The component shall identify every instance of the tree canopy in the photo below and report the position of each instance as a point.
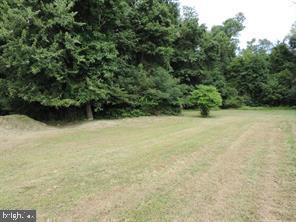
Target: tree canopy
(125, 57)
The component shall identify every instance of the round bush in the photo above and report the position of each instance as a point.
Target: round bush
(206, 98)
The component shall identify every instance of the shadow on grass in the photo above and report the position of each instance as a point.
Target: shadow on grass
(190, 114)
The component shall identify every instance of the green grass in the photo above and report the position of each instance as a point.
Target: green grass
(150, 168)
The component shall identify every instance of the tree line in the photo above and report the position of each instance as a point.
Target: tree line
(64, 58)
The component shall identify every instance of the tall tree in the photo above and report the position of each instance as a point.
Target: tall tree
(188, 59)
(146, 49)
(220, 46)
(53, 59)
(248, 73)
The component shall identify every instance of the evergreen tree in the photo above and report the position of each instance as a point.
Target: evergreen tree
(131, 57)
(53, 59)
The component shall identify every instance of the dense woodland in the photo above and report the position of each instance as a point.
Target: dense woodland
(60, 59)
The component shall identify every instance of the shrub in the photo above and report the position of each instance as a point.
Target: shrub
(206, 98)
(231, 98)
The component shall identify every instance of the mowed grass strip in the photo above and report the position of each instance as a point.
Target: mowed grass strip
(155, 168)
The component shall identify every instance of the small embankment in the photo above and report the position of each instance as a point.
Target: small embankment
(20, 123)
(14, 129)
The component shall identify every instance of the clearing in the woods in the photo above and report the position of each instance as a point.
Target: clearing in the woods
(239, 165)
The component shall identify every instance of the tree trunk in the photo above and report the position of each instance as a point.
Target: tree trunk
(89, 113)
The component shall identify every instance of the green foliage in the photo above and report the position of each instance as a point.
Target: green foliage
(230, 97)
(48, 59)
(248, 72)
(70, 53)
(292, 36)
(188, 55)
(206, 98)
(283, 78)
(126, 58)
(265, 74)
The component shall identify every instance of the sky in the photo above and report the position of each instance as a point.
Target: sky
(270, 19)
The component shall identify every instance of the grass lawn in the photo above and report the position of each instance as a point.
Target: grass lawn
(239, 165)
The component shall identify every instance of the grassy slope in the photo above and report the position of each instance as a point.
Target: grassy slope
(238, 165)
